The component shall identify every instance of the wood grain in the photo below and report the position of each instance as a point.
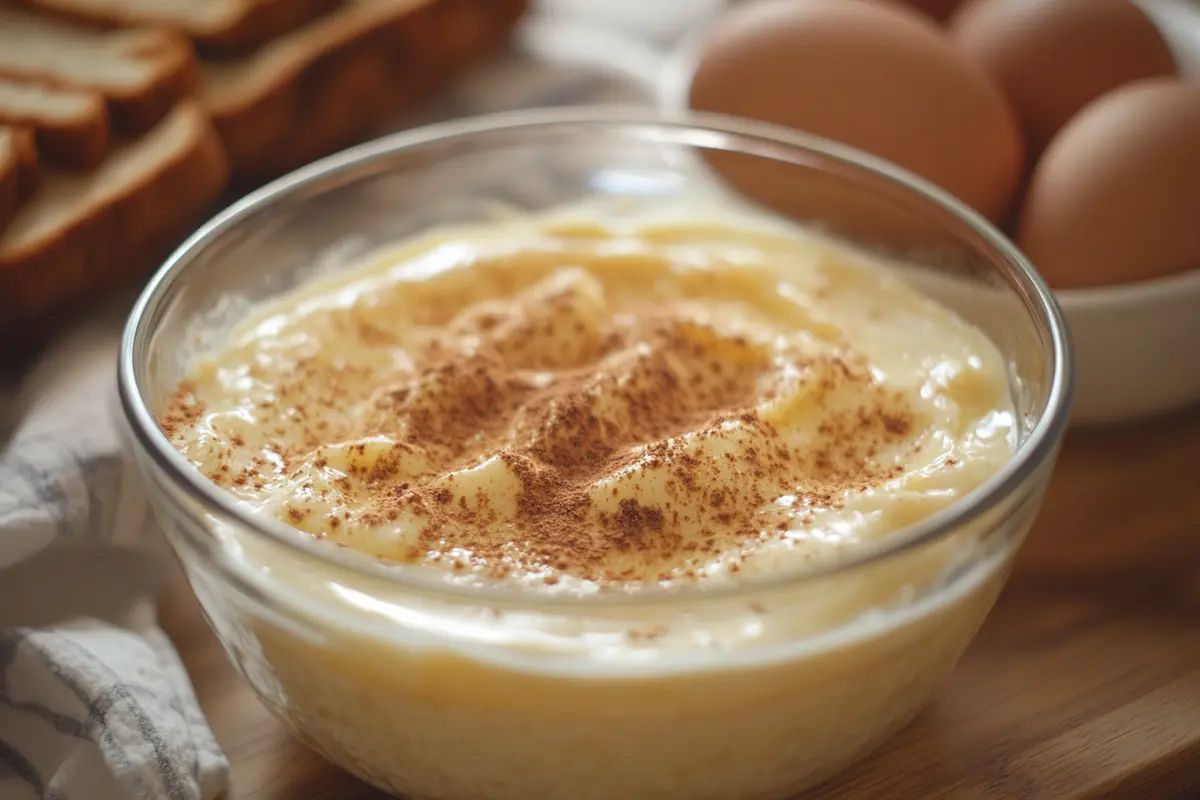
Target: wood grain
(1084, 682)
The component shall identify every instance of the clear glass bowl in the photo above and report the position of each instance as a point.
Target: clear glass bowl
(430, 691)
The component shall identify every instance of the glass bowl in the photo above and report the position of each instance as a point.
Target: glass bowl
(429, 690)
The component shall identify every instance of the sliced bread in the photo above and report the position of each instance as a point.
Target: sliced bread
(142, 72)
(29, 166)
(10, 175)
(322, 86)
(71, 125)
(19, 173)
(213, 24)
(82, 233)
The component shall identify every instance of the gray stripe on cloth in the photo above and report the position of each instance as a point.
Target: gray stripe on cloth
(164, 775)
(102, 735)
(67, 482)
(17, 472)
(63, 723)
(202, 741)
(13, 764)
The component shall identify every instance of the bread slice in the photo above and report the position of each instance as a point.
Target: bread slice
(83, 233)
(223, 25)
(142, 72)
(19, 172)
(71, 125)
(29, 168)
(322, 86)
(10, 175)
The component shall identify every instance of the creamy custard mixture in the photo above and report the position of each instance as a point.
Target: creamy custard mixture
(557, 406)
(576, 407)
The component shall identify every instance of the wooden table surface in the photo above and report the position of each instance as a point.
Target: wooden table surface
(1084, 682)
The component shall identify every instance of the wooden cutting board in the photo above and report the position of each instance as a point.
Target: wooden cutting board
(1084, 682)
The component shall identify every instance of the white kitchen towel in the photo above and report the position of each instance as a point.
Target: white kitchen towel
(94, 702)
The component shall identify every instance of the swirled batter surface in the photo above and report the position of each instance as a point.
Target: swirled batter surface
(577, 407)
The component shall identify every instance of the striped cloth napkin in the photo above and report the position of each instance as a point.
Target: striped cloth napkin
(94, 702)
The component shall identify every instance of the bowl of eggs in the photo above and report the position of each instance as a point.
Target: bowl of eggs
(1071, 125)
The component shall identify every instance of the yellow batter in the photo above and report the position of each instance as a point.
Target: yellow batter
(573, 406)
(562, 408)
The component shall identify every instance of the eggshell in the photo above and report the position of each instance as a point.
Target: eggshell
(1053, 57)
(877, 76)
(1116, 196)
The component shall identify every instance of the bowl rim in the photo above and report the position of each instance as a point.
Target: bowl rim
(686, 128)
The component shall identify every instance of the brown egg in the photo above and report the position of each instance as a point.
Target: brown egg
(1116, 197)
(1053, 57)
(877, 76)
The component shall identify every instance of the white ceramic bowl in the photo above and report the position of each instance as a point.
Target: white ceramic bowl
(1137, 348)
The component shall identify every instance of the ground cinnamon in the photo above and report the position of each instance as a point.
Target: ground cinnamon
(663, 408)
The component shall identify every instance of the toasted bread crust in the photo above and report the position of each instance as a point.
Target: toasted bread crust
(253, 25)
(29, 168)
(174, 73)
(178, 73)
(104, 230)
(264, 20)
(328, 83)
(20, 174)
(77, 141)
(10, 176)
(80, 146)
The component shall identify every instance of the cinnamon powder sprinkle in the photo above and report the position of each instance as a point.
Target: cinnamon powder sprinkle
(641, 443)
